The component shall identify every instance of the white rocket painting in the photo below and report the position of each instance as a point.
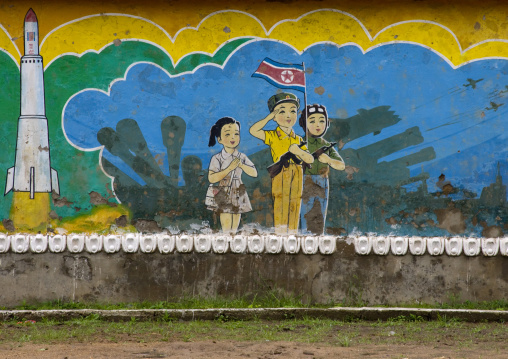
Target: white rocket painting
(32, 170)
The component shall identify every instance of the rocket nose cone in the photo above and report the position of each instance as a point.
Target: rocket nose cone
(30, 16)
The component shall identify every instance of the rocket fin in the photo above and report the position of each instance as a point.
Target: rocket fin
(55, 184)
(9, 182)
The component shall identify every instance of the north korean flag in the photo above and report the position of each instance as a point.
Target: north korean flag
(285, 76)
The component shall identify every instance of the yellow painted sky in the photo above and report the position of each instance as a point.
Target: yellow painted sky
(470, 21)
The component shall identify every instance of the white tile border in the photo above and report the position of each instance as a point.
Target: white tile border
(166, 243)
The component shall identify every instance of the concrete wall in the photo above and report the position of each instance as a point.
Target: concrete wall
(343, 277)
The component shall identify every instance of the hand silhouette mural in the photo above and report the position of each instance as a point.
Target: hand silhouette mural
(160, 197)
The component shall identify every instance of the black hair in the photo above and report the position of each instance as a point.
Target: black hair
(217, 128)
(320, 109)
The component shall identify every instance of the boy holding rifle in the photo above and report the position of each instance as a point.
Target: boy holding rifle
(290, 150)
(314, 121)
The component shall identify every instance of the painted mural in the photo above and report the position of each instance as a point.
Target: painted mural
(319, 125)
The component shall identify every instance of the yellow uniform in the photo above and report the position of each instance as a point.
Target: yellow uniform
(287, 185)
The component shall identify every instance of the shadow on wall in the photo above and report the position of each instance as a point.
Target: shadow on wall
(160, 199)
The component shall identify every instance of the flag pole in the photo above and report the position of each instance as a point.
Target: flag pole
(305, 101)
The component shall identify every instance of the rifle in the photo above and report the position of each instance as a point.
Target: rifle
(316, 155)
(276, 168)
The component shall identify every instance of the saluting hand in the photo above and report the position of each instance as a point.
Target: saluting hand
(272, 114)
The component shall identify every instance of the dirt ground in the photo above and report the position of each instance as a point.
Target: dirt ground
(398, 338)
(234, 349)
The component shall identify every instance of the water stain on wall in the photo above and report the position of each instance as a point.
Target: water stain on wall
(77, 267)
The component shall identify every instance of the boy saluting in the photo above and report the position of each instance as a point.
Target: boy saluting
(286, 185)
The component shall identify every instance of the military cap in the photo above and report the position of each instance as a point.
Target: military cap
(281, 98)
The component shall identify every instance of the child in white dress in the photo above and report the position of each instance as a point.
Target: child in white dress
(227, 195)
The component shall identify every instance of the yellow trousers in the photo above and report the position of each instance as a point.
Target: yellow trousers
(287, 197)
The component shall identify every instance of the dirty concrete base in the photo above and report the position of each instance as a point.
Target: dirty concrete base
(341, 314)
(343, 277)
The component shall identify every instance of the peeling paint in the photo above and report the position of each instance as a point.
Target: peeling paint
(319, 90)
(451, 219)
(60, 201)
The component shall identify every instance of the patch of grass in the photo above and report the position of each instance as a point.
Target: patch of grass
(307, 330)
(344, 340)
(166, 318)
(445, 321)
(273, 298)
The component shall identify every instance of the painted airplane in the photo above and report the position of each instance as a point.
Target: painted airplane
(472, 83)
(32, 170)
(494, 105)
